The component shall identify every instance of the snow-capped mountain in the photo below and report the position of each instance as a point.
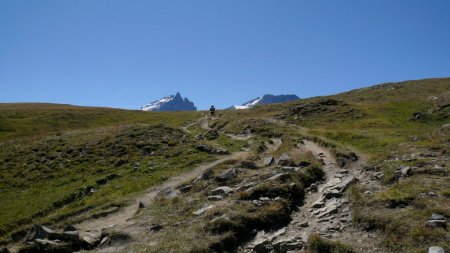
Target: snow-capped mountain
(170, 103)
(266, 99)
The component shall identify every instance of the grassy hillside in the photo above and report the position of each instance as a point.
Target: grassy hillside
(61, 164)
(68, 163)
(28, 119)
(393, 126)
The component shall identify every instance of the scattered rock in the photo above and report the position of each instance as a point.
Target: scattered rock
(333, 193)
(167, 193)
(246, 186)
(319, 203)
(223, 190)
(436, 221)
(402, 172)
(249, 165)
(304, 225)
(436, 216)
(227, 175)
(154, 228)
(186, 188)
(91, 238)
(286, 160)
(378, 175)
(279, 177)
(289, 169)
(436, 249)
(287, 244)
(262, 245)
(211, 134)
(39, 232)
(214, 197)
(211, 150)
(268, 161)
(312, 188)
(207, 175)
(70, 228)
(203, 210)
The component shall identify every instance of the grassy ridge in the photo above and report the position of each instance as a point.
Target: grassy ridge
(28, 119)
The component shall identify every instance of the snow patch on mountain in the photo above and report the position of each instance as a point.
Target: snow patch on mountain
(266, 99)
(248, 104)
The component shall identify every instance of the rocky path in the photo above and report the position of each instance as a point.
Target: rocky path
(122, 216)
(92, 228)
(326, 211)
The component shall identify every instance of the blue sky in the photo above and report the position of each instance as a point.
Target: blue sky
(127, 53)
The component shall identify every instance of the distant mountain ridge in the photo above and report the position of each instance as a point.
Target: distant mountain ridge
(266, 99)
(170, 103)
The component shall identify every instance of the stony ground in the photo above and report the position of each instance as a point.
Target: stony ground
(326, 211)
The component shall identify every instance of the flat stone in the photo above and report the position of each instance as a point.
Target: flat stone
(436, 216)
(214, 197)
(47, 242)
(280, 177)
(91, 237)
(436, 249)
(436, 223)
(222, 190)
(245, 186)
(203, 210)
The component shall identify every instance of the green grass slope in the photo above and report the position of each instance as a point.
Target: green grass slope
(62, 163)
(392, 126)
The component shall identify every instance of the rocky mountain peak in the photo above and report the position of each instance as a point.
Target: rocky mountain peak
(170, 103)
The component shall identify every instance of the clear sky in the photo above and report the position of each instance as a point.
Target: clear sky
(127, 53)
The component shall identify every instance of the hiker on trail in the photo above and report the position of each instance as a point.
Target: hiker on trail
(212, 110)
